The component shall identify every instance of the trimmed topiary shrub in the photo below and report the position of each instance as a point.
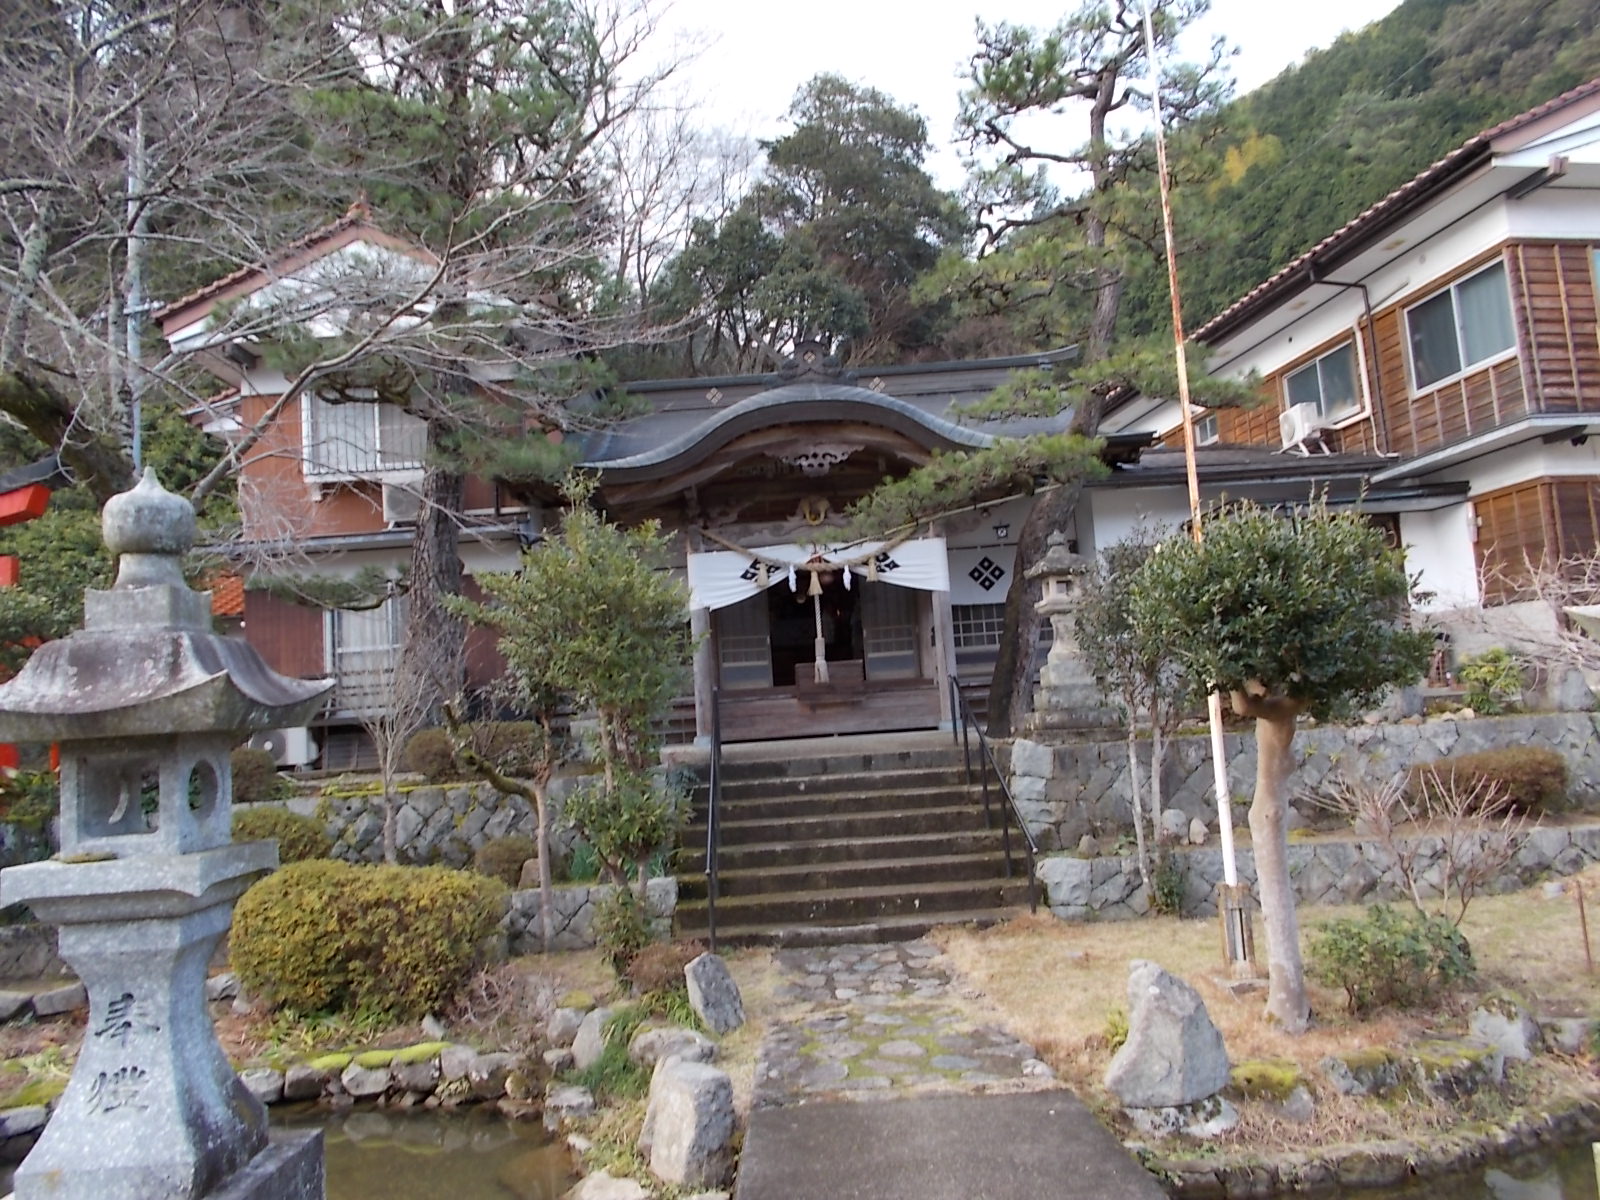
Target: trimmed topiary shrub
(255, 776)
(326, 936)
(299, 838)
(502, 858)
(428, 752)
(1389, 958)
(1533, 779)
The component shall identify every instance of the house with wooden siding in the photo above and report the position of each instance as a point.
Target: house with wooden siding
(1450, 331)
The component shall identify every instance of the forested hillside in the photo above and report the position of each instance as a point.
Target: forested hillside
(1322, 141)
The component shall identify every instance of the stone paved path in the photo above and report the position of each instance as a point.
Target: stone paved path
(881, 1022)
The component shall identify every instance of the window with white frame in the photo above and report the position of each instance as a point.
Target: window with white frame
(360, 440)
(977, 624)
(1466, 324)
(1208, 430)
(365, 649)
(1331, 381)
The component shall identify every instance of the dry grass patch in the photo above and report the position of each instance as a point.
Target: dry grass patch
(1056, 984)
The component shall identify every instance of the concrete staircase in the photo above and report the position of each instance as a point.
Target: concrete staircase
(859, 845)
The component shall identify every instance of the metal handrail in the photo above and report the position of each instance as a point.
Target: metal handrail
(962, 712)
(713, 832)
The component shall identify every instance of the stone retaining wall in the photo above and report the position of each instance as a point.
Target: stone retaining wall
(572, 909)
(1067, 790)
(434, 823)
(28, 951)
(1322, 872)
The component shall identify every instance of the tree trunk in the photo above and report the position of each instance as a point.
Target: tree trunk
(391, 840)
(1011, 685)
(1269, 839)
(1136, 803)
(541, 815)
(436, 639)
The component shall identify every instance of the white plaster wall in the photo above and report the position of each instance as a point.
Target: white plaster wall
(1114, 513)
(1439, 548)
(1528, 460)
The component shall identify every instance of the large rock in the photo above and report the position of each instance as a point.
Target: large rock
(264, 1083)
(1505, 1024)
(564, 1103)
(688, 1124)
(652, 1045)
(1174, 1055)
(56, 1001)
(602, 1185)
(563, 1026)
(713, 994)
(590, 1043)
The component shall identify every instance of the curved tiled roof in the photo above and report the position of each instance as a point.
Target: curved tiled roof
(1390, 209)
(794, 403)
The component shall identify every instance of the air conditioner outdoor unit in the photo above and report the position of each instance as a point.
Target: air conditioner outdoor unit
(1299, 424)
(288, 747)
(402, 504)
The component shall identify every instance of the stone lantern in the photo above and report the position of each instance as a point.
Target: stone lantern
(1068, 698)
(146, 703)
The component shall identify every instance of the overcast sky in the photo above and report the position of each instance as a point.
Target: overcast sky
(757, 55)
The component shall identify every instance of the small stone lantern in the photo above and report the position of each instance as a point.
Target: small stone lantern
(146, 703)
(1068, 698)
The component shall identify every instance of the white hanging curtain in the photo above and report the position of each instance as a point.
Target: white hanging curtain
(723, 577)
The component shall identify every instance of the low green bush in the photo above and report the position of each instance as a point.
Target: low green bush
(502, 858)
(1533, 779)
(1493, 681)
(620, 928)
(429, 753)
(255, 776)
(299, 838)
(326, 936)
(1389, 958)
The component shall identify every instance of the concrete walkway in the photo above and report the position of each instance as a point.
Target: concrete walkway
(882, 1086)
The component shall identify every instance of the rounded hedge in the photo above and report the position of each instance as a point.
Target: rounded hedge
(255, 776)
(326, 936)
(299, 838)
(429, 753)
(502, 858)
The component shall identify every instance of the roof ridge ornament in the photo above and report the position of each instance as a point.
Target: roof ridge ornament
(813, 360)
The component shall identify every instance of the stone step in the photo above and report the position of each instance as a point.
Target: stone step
(847, 783)
(779, 807)
(883, 929)
(954, 818)
(855, 905)
(908, 872)
(865, 762)
(831, 850)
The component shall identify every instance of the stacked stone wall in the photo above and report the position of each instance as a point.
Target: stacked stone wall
(1325, 871)
(1069, 789)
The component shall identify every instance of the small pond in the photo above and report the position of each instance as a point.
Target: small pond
(1565, 1175)
(470, 1154)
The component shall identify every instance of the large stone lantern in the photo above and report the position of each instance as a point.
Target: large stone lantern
(1068, 698)
(146, 704)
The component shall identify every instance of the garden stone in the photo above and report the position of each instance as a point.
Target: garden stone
(60, 1000)
(1198, 833)
(1567, 1035)
(222, 987)
(604, 1186)
(1174, 1055)
(1506, 1025)
(364, 1082)
(528, 877)
(559, 1060)
(1362, 1072)
(1451, 1068)
(1297, 1106)
(1207, 1119)
(713, 995)
(264, 1083)
(13, 1004)
(301, 1082)
(563, 1026)
(433, 1029)
(487, 1075)
(650, 1046)
(416, 1076)
(567, 1103)
(590, 1043)
(15, 1122)
(689, 1122)
(456, 1061)
(1173, 826)
(1089, 846)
